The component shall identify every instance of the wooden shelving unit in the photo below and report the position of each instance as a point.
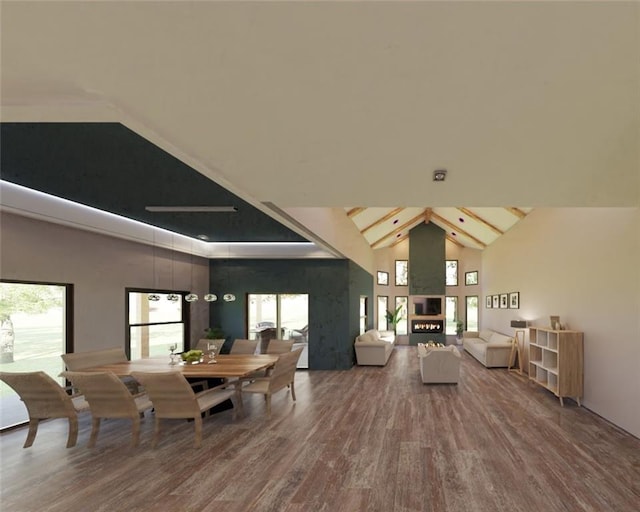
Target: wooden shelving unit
(556, 361)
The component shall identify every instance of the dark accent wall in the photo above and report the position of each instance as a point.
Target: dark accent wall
(334, 288)
(427, 257)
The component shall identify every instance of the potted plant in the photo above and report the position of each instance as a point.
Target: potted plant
(459, 329)
(214, 333)
(395, 317)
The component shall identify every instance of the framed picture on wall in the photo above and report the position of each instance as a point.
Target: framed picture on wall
(495, 301)
(471, 278)
(383, 278)
(487, 302)
(503, 300)
(514, 300)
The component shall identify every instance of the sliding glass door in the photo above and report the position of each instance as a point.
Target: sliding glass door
(279, 316)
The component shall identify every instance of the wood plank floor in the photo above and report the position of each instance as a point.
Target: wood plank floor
(368, 439)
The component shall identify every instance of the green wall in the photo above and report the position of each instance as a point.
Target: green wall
(334, 288)
(427, 257)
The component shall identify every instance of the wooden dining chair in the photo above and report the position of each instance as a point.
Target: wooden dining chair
(108, 397)
(279, 346)
(174, 398)
(45, 398)
(243, 346)
(79, 361)
(281, 376)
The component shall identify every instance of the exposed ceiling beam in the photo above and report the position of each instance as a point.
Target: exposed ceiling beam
(399, 240)
(427, 215)
(382, 220)
(355, 211)
(516, 211)
(479, 219)
(453, 227)
(416, 220)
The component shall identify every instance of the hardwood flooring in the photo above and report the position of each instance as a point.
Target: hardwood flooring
(368, 439)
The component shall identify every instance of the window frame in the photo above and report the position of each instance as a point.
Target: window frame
(406, 273)
(445, 272)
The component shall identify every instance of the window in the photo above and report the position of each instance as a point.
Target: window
(471, 278)
(451, 314)
(35, 330)
(451, 273)
(383, 302)
(472, 312)
(402, 273)
(383, 278)
(154, 325)
(364, 303)
(402, 327)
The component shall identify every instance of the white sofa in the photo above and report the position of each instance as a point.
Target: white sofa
(491, 348)
(439, 365)
(374, 347)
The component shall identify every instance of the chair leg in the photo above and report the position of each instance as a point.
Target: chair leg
(268, 399)
(73, 432)
(156, 433)
(135, 432)
(95, 428)
(293, 391)
(198, 424)
(33, 430)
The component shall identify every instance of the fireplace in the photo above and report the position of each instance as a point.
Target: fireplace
(427, 326)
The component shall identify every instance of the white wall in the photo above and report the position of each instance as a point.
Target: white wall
(99, 267)
(582, 264)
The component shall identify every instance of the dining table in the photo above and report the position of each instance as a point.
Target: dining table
(222, 366)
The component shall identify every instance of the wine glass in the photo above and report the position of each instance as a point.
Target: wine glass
(172, 355)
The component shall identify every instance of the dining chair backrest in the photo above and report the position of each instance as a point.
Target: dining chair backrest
(279, 346)
(45, 398)
(284, 370)
(171, 394)
(244, 346)
(78, 361)
(109, 397)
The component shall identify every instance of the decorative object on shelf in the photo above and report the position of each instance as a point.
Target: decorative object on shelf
(503, 301)
(554, 322)
(383, 278)
(487, 302)
(519, 324)
(514, 300)
(471, 278)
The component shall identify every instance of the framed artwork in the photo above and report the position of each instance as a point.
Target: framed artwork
(514, 300)
(383, 278)
(487, 302)
(503, 300)
(471, 278)
(495, 301)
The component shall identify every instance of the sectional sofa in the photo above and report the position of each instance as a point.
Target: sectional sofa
(491, 348)
(374, 347)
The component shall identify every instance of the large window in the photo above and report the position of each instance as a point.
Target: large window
(451, 314)
(155, 325)
(383, 305)
(451, 276)
(36, 329)
(402, 272)
(472, 312)
(402, 327)
(364, 304)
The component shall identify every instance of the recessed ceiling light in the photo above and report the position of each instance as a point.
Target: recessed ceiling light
(460, 219)
(439, 175)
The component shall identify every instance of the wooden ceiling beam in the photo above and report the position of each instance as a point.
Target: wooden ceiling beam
(413, 222)
(399, 240)
(479, 219)
(454, 241)
(516, 211)
(382, 220)
(427, 215)
(453, 227)
(355, 211)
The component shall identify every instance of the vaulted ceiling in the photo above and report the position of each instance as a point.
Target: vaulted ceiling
(353, 104)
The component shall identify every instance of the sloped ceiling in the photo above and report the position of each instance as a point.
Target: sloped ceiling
(331, 104)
